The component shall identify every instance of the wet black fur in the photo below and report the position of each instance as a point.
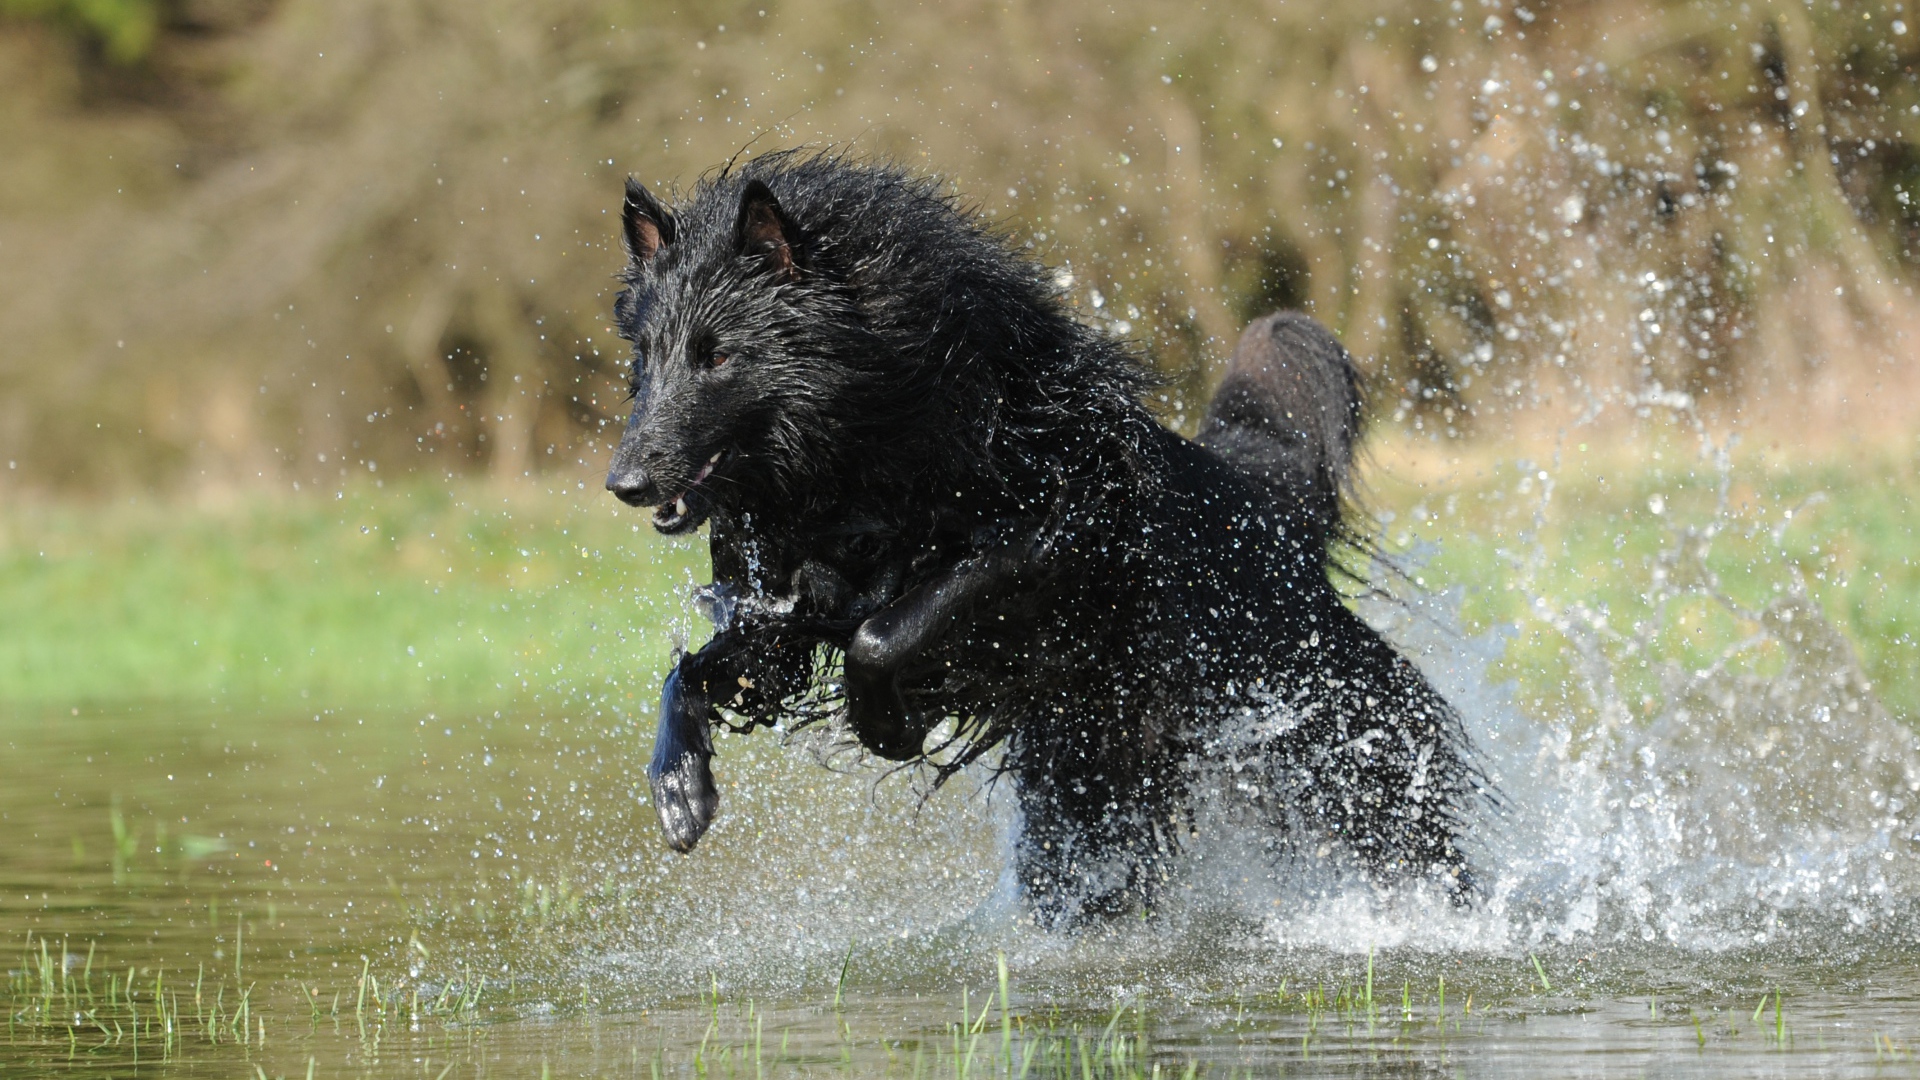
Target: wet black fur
(923, 463)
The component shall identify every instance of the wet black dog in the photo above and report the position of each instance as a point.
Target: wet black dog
(916, 461)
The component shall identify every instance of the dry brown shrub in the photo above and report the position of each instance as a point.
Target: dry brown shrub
(381, 232)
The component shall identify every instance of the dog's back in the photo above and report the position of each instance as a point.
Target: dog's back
(1288, 414)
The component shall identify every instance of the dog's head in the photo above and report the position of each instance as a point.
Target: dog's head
(739, 351)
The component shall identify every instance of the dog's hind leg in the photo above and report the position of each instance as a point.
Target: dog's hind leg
(1087, 851)
(1395, 779)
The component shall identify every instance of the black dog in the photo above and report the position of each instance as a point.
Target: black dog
(917, 461)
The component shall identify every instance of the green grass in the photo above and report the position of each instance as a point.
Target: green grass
(1664, 561)
(422, 594)
(69, 1005)
(103, 1018)
(379, 597)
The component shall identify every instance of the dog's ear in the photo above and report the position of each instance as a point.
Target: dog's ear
(644, 223)
(764, 231)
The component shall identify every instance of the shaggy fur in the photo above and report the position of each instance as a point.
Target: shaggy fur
(913, 456)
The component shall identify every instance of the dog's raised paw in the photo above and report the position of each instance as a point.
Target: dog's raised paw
(681, 773)
(685, 798)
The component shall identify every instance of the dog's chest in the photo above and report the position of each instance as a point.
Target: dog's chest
(839, 573)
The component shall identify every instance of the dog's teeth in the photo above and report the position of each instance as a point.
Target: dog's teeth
(715, 459)
(679, 508)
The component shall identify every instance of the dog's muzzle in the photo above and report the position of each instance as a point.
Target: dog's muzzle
(633, 487)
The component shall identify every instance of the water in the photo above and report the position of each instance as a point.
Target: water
(1711, 874)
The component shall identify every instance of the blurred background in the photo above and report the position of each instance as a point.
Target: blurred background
(259, 242)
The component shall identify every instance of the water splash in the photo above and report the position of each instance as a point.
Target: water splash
(1688, 803)
(1764, 796)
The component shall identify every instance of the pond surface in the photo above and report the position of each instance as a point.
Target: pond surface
(432, 894)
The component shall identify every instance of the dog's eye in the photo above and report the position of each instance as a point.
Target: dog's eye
(718, 359)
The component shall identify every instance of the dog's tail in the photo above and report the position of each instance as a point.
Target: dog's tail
(1288, 414)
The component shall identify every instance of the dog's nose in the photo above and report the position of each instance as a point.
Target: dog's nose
(632, 487)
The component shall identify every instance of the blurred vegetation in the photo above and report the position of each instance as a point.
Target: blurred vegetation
(124, 29)
(266, 241)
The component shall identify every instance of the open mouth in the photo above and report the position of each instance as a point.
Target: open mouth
(689, 508)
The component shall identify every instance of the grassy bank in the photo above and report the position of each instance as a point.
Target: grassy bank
(381, 596)
(1656, 558)
(468, 596)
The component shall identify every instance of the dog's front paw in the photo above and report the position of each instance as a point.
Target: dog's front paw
(685, 797)
(684, 794)
(904, 741)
